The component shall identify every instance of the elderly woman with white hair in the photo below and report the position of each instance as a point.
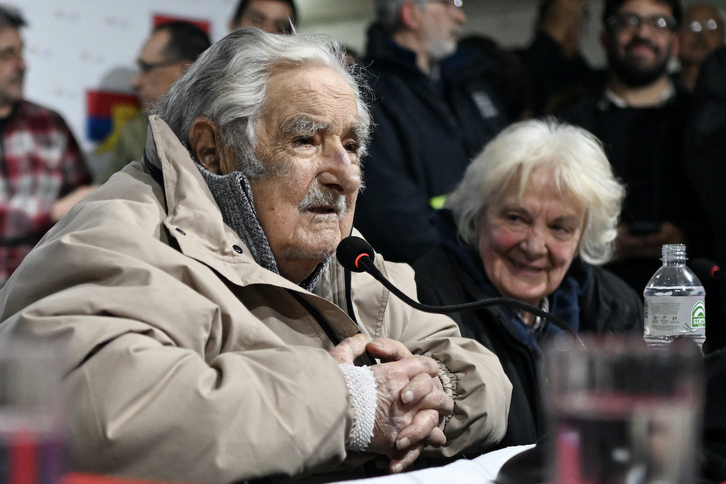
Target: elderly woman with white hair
(532, 220)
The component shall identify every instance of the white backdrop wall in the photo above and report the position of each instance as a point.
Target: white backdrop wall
(73, 46)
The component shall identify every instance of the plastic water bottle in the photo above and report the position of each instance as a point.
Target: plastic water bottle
(674, 301)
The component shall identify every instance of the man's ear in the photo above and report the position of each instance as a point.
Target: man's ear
(203, 144)
(409, 14)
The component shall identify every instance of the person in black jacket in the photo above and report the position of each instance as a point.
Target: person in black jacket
(640, 115)
(532, 220)
(428, 126)
(553, 60)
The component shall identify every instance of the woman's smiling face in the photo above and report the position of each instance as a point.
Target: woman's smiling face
(527, 244)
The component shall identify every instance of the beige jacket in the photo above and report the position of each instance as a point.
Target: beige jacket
(187, 361)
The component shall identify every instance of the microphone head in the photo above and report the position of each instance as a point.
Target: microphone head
(705, 270)
(350, 250)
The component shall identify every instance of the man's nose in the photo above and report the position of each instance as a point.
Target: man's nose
(341, 171)
(459, 15)
(269, 26)
(645, 30)
(21, 66)
(136, 81)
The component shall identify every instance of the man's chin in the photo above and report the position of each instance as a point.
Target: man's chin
(12, 96)
(320, 249)
(639, 74)
(441, 50)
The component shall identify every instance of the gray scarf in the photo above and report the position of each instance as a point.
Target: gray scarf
(234, 198)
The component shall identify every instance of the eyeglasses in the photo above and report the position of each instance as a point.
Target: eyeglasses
(698, 27)
(449, 3)
(146, 67)
(631, 21)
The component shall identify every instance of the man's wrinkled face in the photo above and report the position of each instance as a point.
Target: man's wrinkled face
(639, 54)
(308, 140)
(441, 27)
(269, 15)
(156, 72)
(12, 67)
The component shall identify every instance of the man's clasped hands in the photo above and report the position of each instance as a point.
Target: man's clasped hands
(412, 405)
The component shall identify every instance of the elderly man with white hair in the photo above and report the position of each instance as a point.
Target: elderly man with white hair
(210, 334)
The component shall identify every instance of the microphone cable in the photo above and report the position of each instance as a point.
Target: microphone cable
(356, 255)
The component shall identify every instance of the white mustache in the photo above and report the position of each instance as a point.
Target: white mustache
(318, 196)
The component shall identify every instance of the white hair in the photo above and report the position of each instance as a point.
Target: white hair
(228, 82)
(388, 13)
(578, 163)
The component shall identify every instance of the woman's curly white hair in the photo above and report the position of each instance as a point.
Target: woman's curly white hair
(580, 168)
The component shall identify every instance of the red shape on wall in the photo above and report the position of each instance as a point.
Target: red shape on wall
(162, 19)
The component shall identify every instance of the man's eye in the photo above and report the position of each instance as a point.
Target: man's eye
(282, 28)
(352, 147)
(257, 20)
(304, 140)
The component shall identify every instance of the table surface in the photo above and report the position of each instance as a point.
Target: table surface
(481, 470)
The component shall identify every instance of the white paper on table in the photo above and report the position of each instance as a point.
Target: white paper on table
(481, 470)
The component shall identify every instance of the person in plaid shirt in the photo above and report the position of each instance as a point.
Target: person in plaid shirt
(42, 171)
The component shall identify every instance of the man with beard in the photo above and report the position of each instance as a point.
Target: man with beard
(428, 125)
(640, 117)
(209, 333)
(42, 170)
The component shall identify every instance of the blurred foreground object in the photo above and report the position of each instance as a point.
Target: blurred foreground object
(624, 413)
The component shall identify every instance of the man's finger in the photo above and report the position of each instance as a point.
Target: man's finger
(436, 438)
(404, 459)
(349, 349)
(387, 349)
(413, 365)
(418, 387)
(420, 429)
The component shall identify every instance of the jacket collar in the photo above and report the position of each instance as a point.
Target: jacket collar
(193, 217)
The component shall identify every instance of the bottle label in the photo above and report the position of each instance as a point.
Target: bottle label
(665, 315)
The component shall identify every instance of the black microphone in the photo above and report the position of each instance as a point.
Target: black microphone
(356, 255)
(705, 270)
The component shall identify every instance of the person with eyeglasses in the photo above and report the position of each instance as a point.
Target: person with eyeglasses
(640, 116)
(702, 32)
(272, 16)
(164, 57)
(432, 118)
(43, 172)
